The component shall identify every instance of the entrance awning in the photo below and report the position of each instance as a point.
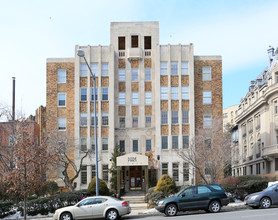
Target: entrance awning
(132, 160)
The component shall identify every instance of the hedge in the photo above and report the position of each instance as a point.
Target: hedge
(7, 208)
(166, 185)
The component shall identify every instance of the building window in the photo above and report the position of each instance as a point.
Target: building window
(122, 145)
(121, 75)
(148, 98)
(206, 97)
(185, 117)
(83, 94)
(185, 141)
(84, 175)
(94, 68)
(175, 142)
(135, 122)
(174, 68)
(164, 168)
(83, 69)
(62, 123)
(93, 144)
(62, 100)
(276, 164)
(206, 73)
(93, 118)
(134, 74)
(121, 43)
(148, 42)
(184, 92)
(93, 171)
(175, 117)
(122, 122)
(258, 168)
(148, 145)
(176, 172)
(135, 145)
(92, 94)
(105, 172)
(135, 98)
(104, 94)
(275, 107)
(164, 117)
(185, 172)
(104, 143)
(134, 41)
(174, 93)
(207, 123)
(163, 93)
(184, 68)
(104, 69)
(251, 169)
(208, 143)
(105, 120)
(148, 121)
(148, 72)
(208, 168)
(121, 98)
(83, 144)
(62, 75)
(164, 141)
(225, 115)
(163, 68)
(83, 119)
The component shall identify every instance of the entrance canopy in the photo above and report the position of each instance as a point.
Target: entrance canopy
(132, 160)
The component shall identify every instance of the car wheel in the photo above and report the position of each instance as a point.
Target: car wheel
(214, 206)
(265, 203)
(171, 210)
(112, 214)
(66, 216)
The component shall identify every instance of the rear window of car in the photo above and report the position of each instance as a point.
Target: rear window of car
(216, 187)
(100, 200)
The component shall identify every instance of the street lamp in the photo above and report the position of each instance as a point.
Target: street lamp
(81, 53)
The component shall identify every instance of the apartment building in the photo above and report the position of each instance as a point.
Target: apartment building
(150, 98)
(256, 151)
(229, 115)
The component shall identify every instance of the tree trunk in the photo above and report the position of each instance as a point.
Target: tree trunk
(25, 207)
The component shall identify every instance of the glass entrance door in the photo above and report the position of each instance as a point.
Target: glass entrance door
(135, 177)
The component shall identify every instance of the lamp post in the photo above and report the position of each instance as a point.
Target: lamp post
(81, 53)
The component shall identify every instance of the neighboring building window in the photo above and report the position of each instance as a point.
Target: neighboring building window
(62, 100)
(93, 171)
(83, 69)
(208, 168)
(164, 168)
(105, 118)
(104, 143)
(134, 74)
(148, 121)
(175, 117)
(175, 142)
(84, 175)
(258, 168)
(135, 145)
(104, 69)
(207, 123)
(135, 98)
(163, 93)
(93, 118)
(94, 68)
(134, 41)
(135, 122)
(83, 144)
(121, 43)
(93, 145)
(184, 68)
(232, 113)
(62, 75)
(92, 94)
(148, 42)
(122, 122)
(83, 119)
(164, 141)
(206, 73)
(176, 172)
(121, 98)
(185, 172)
(62, 123)
(275, 107)
(174, 92)
(206, 97)
(121, 75)
(83, 94)
(208, 143)
(185, 141)
(148, 145)
(276, 164)
(148, 98)
(163, 68)
(225, 115)
(174, 68)
(105, 171)
(185, 117)
(122, 145)
(164, 117)
(104, 94)
(148, 75)
(184, 92)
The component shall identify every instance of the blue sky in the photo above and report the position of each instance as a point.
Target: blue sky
(32, 31)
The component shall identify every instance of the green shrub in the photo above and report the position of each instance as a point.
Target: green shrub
(156, 196)
(166, 185)
(250, 186)
(229, 188)
(103, 189)
(6, 208)
(243, 179)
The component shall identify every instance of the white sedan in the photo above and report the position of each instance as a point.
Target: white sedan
(98, 206)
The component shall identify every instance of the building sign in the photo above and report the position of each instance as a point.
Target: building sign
(132, 160)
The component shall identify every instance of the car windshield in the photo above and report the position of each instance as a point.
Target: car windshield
(270, 188)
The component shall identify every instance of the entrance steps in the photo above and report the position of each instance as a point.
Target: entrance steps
(136, 200)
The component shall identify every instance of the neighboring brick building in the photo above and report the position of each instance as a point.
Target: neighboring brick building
(149, 97)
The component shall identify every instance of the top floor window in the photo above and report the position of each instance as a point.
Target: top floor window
(163, 68)
(174, 68)
(121, 43)
(62, 73)
(104, 69)
(134, 41)
(83, 69)
(148, 42)
(184, 68)
(206, 73)
(94, 68)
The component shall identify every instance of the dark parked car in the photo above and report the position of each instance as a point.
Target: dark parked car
(263, 199)
(207, 197)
